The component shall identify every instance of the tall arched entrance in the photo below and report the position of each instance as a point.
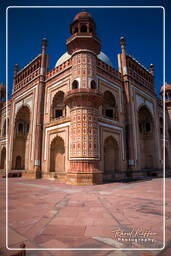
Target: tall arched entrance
(3, 158)
(21, 139)
(57, 155)
(111, 158)
(146, 136)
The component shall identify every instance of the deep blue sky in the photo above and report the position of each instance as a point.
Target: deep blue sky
(142, 28)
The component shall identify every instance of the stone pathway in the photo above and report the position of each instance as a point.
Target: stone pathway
(47, 214)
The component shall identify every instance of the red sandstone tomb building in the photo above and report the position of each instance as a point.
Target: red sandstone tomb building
(84, 122)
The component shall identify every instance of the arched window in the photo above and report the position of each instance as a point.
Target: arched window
(58, 107)
(109, 106)
(93, 84)
(83, 28)
(75, 84)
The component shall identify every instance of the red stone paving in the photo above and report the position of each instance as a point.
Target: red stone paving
(48, 214)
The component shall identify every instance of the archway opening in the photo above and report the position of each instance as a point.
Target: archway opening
(57, 155)
(21, 139)
(3, 158)
(111, 158)
(109, 106)
(146, 135)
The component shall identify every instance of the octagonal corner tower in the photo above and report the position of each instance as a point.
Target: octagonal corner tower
(84, 99)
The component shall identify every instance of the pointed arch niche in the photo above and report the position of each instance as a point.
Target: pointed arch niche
(57, 155)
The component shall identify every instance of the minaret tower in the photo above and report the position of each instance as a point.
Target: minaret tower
(40, 110)
(130, 136)
(84, 100)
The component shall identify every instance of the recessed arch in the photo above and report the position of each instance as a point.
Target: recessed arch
(146, 137)
(21, 138)
(57, 155)
(58, 107)
(145, 120)
(110, 109)
(111, 157)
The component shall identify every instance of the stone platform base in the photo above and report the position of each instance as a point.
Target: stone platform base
(84, 178)
(29, 174)
(59, 176)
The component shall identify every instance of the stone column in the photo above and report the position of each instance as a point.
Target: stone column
(40, 112)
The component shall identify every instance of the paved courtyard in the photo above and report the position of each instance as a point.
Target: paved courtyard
(48, 214)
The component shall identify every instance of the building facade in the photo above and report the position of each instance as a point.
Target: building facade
(84, 122)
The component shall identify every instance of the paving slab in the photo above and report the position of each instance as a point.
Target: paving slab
(49, 214)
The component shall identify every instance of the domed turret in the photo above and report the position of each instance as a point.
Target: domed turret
(167, 89)
(83, 34)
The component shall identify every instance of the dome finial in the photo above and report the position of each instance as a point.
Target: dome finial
(122, 42)
(16, 69)
(151, 69)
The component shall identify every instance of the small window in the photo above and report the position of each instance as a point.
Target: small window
(83, 28)
(58, 113)
(75, 84)
(93, 84)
